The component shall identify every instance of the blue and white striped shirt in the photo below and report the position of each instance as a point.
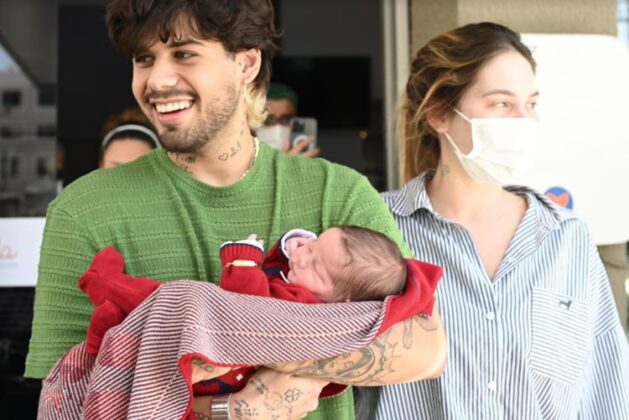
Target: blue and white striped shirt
(540, 341)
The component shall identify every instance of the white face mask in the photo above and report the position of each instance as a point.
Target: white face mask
(275, 136)
(502, 148)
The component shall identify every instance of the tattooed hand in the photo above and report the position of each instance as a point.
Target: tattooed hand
(276, 396)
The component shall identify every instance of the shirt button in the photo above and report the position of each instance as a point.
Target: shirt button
(492, 385)
(490, 316)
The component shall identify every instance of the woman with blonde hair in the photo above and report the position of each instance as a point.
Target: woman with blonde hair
(532, 328)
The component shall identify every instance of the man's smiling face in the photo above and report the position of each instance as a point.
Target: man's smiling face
(188, 88)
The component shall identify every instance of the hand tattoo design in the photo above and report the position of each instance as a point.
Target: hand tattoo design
(292, 395)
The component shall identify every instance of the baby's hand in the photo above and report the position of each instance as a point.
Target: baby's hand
(254, 237)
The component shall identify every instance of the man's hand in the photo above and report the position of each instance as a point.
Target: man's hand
(274, 395)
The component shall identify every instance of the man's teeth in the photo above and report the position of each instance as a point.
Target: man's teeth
(172, 106)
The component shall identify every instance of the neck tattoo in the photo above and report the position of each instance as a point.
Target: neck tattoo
(254, 155)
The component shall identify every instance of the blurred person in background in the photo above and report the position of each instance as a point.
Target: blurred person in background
(125, 137)
(282, 104)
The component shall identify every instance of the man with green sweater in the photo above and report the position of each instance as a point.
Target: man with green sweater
(200, 73)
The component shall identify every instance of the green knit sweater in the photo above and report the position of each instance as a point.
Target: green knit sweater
(170, 226)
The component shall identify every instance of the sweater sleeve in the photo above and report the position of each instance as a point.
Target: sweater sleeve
(364, 207)
(61, 311)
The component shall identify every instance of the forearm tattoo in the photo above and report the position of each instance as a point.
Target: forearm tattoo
(426, 323)
(366, 365)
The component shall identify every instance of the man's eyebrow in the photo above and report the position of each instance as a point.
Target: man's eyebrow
(183, 42)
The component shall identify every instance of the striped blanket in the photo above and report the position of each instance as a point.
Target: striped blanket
(143, 368)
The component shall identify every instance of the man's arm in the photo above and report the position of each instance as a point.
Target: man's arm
(61, 311)
(410, 350)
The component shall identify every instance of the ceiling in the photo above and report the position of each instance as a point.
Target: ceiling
(28, 32)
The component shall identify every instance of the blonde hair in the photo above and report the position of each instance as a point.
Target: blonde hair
(255, 101)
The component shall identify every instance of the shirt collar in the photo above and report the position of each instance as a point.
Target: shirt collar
(413, 197)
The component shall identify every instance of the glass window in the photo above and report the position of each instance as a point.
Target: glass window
(10, 132)
(11, 98)
(47, 95)
(46, 130)
(14, 167)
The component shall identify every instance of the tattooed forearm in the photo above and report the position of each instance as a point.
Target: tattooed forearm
(407, 338)
(404, 352)
(426, 323)
(364, 366)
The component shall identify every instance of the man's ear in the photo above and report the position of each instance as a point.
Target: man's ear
(249, 62)
(439, 123)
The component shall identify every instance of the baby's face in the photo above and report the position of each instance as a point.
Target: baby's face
(315, 263)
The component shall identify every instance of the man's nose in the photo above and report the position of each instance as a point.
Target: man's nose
(163, 76)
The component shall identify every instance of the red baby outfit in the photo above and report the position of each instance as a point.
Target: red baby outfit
(116, 294)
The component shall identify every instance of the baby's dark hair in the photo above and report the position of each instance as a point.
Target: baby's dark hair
(376, 268)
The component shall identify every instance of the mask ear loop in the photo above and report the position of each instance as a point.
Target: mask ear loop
(462, 115)
(453, 144)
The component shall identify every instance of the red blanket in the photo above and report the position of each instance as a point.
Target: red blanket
(143, 367)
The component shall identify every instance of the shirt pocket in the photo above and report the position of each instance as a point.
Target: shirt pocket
(559, 335)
